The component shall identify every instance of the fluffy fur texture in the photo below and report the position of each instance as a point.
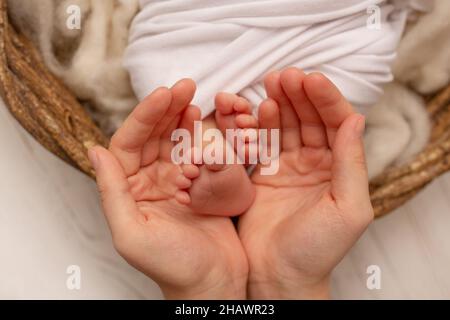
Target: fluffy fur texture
(424, 54)
(90, 63)
(398, 126)
(88, 60)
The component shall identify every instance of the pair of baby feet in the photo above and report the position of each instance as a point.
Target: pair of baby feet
(222, 189)
(227, 189)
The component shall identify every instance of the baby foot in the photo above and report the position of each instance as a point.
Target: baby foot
(234, 112)
(219, 189)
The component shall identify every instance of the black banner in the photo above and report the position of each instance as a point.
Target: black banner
(220, 309)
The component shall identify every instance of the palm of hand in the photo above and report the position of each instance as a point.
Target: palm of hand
(189, 246)
(296, 226)
(159, 236)
(288, 208)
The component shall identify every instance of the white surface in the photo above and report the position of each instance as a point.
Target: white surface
(412, 247)
(50, 218)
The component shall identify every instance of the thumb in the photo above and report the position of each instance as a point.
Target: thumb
(349, 172)
(118, 204)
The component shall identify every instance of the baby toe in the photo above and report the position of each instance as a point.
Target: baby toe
(215, 166)
(183, 197)
(190, 171)
(182, 182)
(242, 105)
(245, 121)
(225, 103)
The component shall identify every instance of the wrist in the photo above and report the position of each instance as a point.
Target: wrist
(289, 289)
(235, 289)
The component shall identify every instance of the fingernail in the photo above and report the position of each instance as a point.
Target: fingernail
(93, 157)
(360, 126)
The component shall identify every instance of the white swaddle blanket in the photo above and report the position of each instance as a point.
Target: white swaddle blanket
(229, 45)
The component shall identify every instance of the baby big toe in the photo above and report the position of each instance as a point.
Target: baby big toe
(242, 105)
(225, 103)
(190, 171)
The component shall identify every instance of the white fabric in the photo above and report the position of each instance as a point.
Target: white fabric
(229, 45)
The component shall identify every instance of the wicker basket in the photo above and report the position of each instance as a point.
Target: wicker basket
(51, 113)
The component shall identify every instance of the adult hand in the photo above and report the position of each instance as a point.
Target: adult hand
(188, 255)
(306, 217)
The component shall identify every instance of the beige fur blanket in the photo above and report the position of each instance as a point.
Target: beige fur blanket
(89, 60)
(87, 56)
(398, 126)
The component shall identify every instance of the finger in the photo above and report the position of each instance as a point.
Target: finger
(349, 172)
(119, 205)
(331, 105)
(128, 142)
(166, 144)
(290, 125)
(269, 118)
(313, 133)
(190, 116)
(182, 94)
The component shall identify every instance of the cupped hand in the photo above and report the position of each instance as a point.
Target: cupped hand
(307, 216)
(188, 255)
